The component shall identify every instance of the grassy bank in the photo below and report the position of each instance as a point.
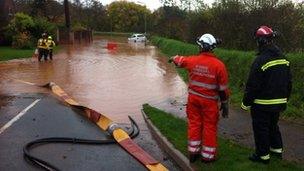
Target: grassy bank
(238, 64)
(231, 155)
(8, 53)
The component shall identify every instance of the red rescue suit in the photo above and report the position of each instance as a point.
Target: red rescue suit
(207, 76)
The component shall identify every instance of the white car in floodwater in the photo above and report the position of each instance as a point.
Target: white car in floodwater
(137, 38)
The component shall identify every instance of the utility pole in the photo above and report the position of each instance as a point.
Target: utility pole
(67, 14)
(139, 2)
(145, 23)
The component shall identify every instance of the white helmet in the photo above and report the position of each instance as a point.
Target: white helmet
(207, 41)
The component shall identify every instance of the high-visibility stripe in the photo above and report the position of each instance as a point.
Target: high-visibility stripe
(274, 63)
(223, 87)
(266, 157)
(204, 85)
(208, 156)
(270, 101)
(209, 149)
(42, 47)
(245, 107)
(194, 143)
(204, 96)
(193, 149)
(276, 150)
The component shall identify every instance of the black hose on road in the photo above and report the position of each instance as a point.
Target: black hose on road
(133, 132)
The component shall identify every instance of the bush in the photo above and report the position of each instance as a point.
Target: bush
(23, 31)
(18, 30)
(238, 64)
(22, 41)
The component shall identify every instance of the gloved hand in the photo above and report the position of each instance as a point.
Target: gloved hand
(225, 109)
(171, 59)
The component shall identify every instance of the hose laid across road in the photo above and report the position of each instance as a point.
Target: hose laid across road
(134, 132)
(106, 124)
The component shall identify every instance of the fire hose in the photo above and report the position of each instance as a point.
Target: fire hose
(119, 135)
(134, 132)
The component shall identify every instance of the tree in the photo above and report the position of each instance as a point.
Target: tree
(127, 16)
(52, 10)
(171, 22)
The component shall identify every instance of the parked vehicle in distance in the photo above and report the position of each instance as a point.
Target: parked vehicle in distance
(137, 38)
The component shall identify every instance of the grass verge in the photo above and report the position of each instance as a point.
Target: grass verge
(8, 53)
(232, 156)
(238, 64)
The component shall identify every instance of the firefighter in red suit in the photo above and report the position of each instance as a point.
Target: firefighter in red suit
(208, 83)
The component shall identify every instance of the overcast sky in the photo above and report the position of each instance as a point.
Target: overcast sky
(154, 4)
(151, 4)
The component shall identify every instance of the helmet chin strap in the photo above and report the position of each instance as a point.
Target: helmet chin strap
(205, 49)
(264, 45)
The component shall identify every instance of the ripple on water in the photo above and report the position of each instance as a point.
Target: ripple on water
(113, 82)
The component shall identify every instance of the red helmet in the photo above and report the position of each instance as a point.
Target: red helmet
(264, 35)
(264, 31)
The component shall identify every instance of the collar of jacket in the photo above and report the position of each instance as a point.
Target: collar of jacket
(272, 49)
(207, 54)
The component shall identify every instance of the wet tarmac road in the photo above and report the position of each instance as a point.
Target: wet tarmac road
(114, 82)
(51, 118)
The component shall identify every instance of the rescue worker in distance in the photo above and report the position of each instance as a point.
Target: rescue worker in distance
(50, 45)
(267, 91)
(42, 47)
(208, 83)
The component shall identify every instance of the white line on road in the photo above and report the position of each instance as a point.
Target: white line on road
(7, 125)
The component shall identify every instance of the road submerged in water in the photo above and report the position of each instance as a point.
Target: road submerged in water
(116, 82)
(113, 82)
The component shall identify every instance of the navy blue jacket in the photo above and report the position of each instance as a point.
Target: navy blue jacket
(269, 83)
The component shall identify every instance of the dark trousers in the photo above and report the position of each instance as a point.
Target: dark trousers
(51, 54)
(42, 53)
(266, 131)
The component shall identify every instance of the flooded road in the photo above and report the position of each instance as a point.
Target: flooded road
(114, 82)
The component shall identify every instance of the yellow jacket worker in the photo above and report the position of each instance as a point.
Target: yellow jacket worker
(42, 47)
(50, 44)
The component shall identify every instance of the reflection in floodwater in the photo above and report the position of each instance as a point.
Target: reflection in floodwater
(114, 82)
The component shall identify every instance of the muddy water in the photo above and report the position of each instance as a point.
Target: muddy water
(114, 82)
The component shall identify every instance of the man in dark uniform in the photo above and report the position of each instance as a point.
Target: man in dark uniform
(267, 91)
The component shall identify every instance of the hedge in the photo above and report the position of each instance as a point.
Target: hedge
(238, 64)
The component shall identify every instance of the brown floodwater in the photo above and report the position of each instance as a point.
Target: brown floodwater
(114, 82)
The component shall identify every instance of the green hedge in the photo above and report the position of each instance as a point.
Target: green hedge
(238, 64)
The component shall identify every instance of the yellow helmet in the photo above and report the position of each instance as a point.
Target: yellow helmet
(50, 37)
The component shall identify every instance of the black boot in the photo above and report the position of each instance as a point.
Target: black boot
(256, 158)
(276, 155)
(193, 157)
(208, 161)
